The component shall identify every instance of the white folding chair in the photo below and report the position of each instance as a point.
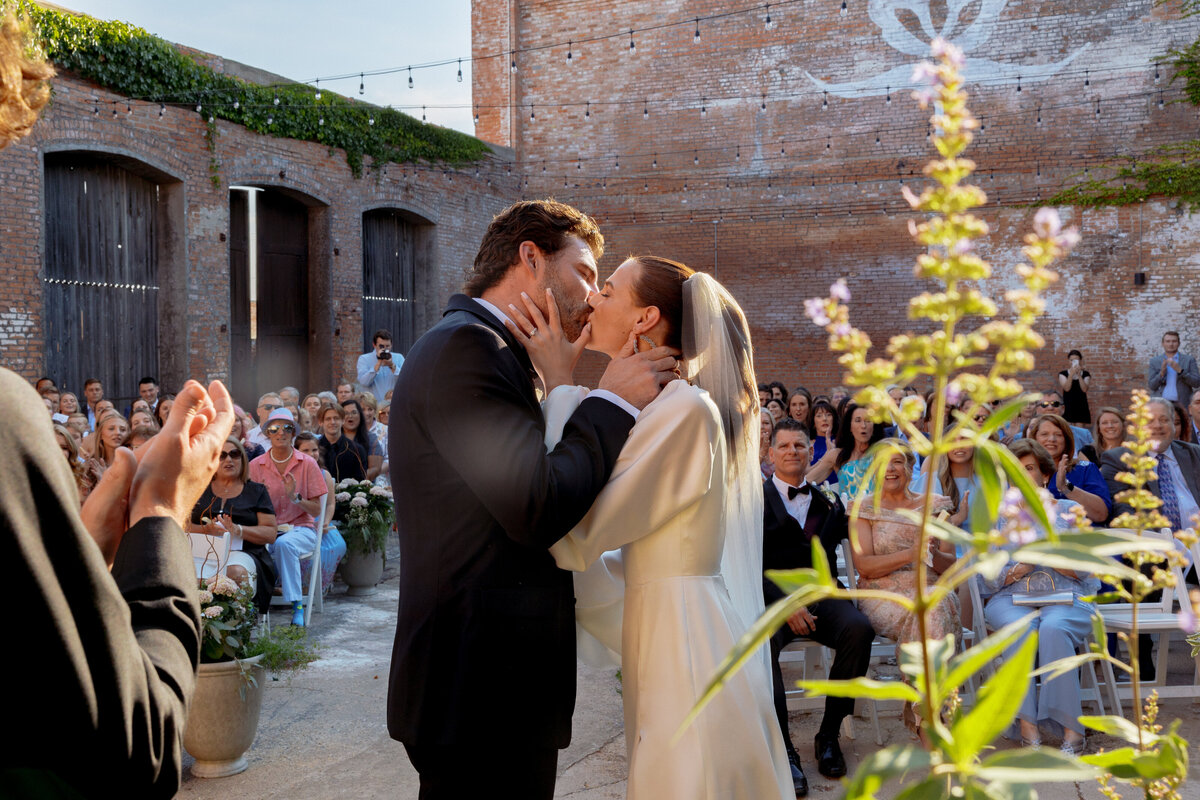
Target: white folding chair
(1153, 617)
(313, 595)
(210, 553)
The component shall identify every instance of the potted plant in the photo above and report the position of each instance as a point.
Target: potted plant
(366, 513)
(224, 714)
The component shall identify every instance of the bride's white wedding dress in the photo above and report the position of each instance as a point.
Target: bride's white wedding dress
(664, 508)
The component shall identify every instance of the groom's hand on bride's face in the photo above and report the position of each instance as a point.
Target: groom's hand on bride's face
(639, 377)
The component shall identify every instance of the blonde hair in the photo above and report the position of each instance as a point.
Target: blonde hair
(23, 88)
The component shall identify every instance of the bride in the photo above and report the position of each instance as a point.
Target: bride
(684, 505)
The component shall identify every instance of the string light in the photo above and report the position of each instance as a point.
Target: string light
(889, 96)
(318, 89)
(459, 72)
(1039, 115)
(632, 46)
(654, 165)
(197, 108)
(410, 80)
(321, 121)
(569, 43)
(587, 111)
(1160, 98)
(532, 116)
(768, 22)
(844, 10)
(763, 107)
(1018, 83)
(270, 119)
(696, 157)
(362, 87)
(1156, 72)
(696, 38)
(476, 114)
(162, 109)
(422, 116)
(703, 107)
(371, 119)
(825, 101)
(277, 98)
(645, 109)
(1087, 81)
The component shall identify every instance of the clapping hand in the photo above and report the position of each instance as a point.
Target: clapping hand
(959, 516)
(289, 484)
(1061, 478)
(552, 355)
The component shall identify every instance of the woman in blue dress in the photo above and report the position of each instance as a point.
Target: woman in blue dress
(822, 432)
(1074, 479)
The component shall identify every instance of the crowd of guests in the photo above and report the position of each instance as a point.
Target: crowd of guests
(273, 471)
(815, 452)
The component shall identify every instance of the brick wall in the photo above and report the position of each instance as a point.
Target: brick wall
(459, 206)
(780, 202)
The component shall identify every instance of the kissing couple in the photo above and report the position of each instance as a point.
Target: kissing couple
(649, 482)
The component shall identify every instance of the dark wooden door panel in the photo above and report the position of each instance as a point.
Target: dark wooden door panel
(389, 272)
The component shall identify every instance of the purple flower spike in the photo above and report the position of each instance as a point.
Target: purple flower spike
(1046, 223)
(814, 307)
(924, 73)
(839, 291)
(841, 329)
(940, 48)
(1067, 239)
(954, 394)
(1187, 621)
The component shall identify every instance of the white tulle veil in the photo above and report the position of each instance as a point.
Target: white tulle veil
(720, 360)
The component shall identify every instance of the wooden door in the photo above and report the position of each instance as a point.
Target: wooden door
(389, 273)
(241, 354)
(100, 289)
(281, 357)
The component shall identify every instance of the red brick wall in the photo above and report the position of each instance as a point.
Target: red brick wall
(460, 208)
(799, 195)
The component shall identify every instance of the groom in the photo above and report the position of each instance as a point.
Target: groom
(482, 682)
(795, 513)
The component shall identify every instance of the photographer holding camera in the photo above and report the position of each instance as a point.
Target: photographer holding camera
(377, 369)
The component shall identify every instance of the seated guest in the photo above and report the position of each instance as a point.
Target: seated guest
(345, 391)
(777, 409)
(343, 457)
(764, 394)
(68, 404)
(78, 425)
(1108, 431)
(295, 485)
(854, 440)
(794, 513)
(822, 431)
(312, 404)
(111, 430)
(1194, 417)
(766, 426)
(1183, 426)
(1075, 480)
(139, 435)
(163, 408)
(385, 411)
(353, 428)
(85, 478)
(1062, 629)
(370, 409)
(252, 449)
(799, 403)
(885, 555)
(333, 546)
(140, 417)
(267, 405)
(290, 397)
(232, 502)
(1052, 403)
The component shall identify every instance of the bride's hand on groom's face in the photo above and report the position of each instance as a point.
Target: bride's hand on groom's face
(552, 355)
(639, 377)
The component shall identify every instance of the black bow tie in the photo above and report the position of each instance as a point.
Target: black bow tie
(795, 490)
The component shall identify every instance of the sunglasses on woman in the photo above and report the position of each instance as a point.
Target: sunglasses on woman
(229, 454)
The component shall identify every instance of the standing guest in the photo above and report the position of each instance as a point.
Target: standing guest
(1108, 432)
(333, 546)
(377, 369)
(163, 408)
(345, 391)
(147, 395)
(312, 404)
(68, 403)
(799, 404)
(353, 429)
(796, 513)
(268, 404)
(1183, 425)
(1078, 481)
(777, 409)
(822, 429)
(1173, 375)
(477, 590)
(1074, 381)
(766, 425)
(42, 383)
(854, 440)
(232, 502)
(93, 392)
(344, 457)
(885, 556)
(1194, 417)
(295, 485)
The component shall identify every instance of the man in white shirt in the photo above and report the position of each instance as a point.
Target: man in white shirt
(266, 404)
(1173, 375)
(377, 369)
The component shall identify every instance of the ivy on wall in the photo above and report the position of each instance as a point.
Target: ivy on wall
(135, 64)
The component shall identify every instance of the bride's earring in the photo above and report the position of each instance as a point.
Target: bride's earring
(647, 341)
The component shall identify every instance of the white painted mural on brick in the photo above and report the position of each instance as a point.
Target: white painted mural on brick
(969, 36)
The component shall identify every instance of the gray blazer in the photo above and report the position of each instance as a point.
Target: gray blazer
(1187, 381)
(1187, 454)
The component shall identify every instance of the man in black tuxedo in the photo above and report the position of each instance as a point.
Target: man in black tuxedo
(794, 512)
(482, 682)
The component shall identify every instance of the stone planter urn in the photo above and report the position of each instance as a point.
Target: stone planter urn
(224, 717)
(362, 571)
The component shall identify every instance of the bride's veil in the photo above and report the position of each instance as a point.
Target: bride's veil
(716, 347)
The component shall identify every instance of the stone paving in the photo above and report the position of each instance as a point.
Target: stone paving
(323, 734)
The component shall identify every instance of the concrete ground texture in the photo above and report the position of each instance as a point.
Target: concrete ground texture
(323, 733)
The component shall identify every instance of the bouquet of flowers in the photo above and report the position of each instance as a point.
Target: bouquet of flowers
(227, 618)
(367, 513)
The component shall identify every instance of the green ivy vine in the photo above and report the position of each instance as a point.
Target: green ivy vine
(133, 63)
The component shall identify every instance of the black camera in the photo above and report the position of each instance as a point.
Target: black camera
(385, 355)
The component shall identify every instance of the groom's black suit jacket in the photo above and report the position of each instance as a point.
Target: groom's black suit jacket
(785, 543)
(485, 637)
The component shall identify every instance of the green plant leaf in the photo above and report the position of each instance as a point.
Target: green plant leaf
(883, 765)
(794, 580)
(1120, 728)
(939, 528)
(862, 687)
(1059, 555)
(969, 662)
(984, 514)
(1018, 477)
(932, 788)
(1034, 766)
(1113, 543)
(1001, 417)
(940, 653)
(997, 704)
(1129, 764)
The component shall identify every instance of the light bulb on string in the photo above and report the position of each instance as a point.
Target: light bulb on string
(276, 99)
(828, 144)
(825, 101)
(654, 165)
(211, 119)
(696, 157)
(578, 164)
(532, 115)
(763, 107)
(703, 107)
(423, 114)
(162, 109)
(569, 43)
(1156, 72)
(1039, 115)
(617, 163)
(632, 46)
(197, 108)
(768, 22)
(270, 119)
(129, 108)
(371, 119)
(877, 139)
(460, 70)
(696, 38)
(1087, 80)
(1097, 108)
(645, 109)
(1018, 83)
(1160, 98)
(889, 95)
(587, 110)
(318, 97)
(512, 61)
(236, 105)
(410, 80)
(737, 156)
(543, 167)
(321, 121)
(114, 110)
(362, 87)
